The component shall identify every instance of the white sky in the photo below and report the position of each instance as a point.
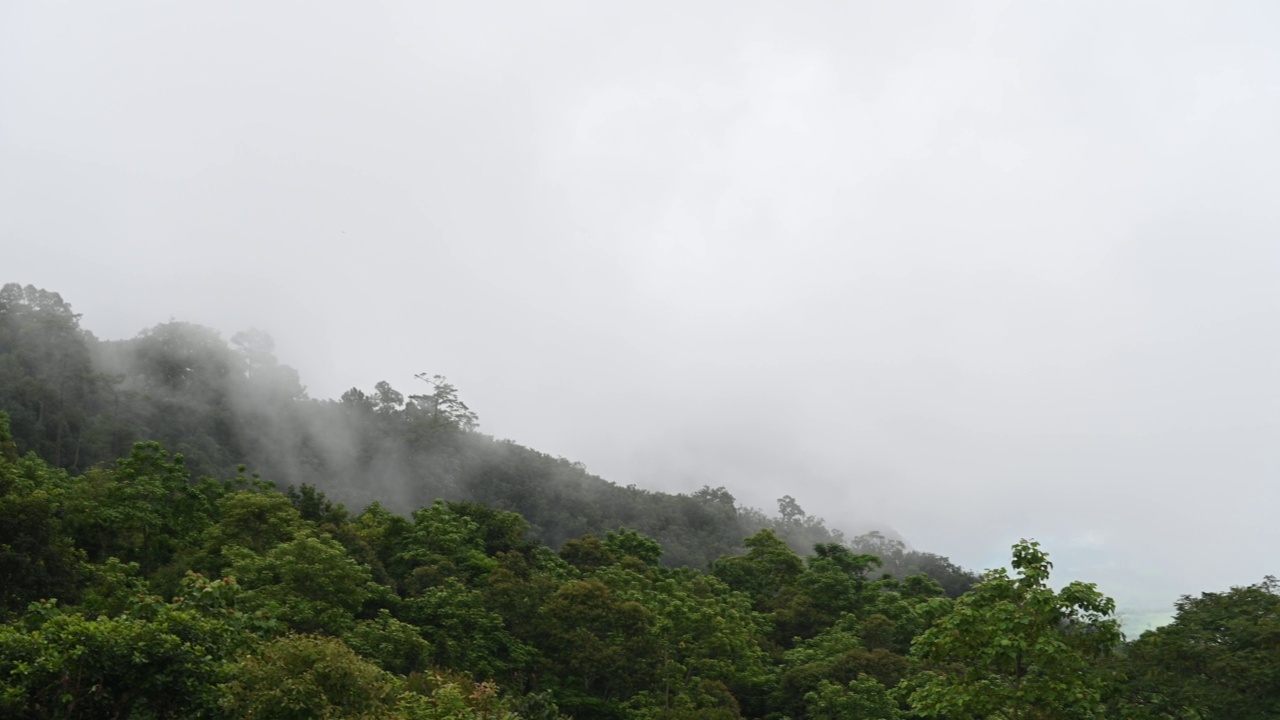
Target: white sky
(975, 271)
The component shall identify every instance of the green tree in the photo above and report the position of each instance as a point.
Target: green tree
(443, 407)
(834, 583)
(442, 541)
(1014, 649)
(465, 635)
(601, 644)
(302, 677)
(860, 699)
(768, 567)
(395, 646)
(251, 519)
(837, 655)
(309, 583)
(708, 644)
(1218, 659)
(8, 449)
(587, 553)
(520, 586)
(38, 557)
(141, 511)
(450, 696)
(47, 380)
(629, 543)
(159, 660)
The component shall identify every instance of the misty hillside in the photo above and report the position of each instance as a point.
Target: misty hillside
(230, 406)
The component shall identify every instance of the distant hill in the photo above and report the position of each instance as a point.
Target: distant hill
(230, 406)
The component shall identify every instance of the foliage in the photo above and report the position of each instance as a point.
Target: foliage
(442, 407)
(302, 677)
(80, 402)
(393, 645)
(482, 579)
(860, 699)
(159, 661)
(1014, 648)
(309, 611)
(463, 633)
(1219, 658)
(441, 696)
(309, 583)
(38, 557)
(600, 642)
(765, 571)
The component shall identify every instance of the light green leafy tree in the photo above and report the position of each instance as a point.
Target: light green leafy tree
(450, 696)
(157, 660)
(309, 583)
(141, 511)
(303, 677)
(1014, 649)
(463, 634)
(628, 543)
(862, 699)
(837, 655)
(441, 543)
(249, 519)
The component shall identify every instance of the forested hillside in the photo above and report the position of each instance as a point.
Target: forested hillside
(467, 578)
(223, 405)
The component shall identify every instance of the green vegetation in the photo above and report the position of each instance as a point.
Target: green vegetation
(479, 579)
(79, 403)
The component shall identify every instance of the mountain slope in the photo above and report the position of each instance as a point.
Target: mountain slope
(228, 406)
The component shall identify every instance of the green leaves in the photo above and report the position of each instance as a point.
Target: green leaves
(600, 639)
(440, 544)
(1220, 657)
(38, 556)
(166, 665)
(628, 543)
(463, 633)
(860, 699)
(300, 677)
(1012, 647)
(309, 583)
(395, 646)
(768, 567)
(414, 616)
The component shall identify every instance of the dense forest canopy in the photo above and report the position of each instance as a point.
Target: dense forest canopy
(185, 533)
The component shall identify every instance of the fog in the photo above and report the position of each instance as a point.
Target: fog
(973, 272)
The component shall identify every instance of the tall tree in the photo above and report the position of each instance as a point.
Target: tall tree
(1014, 649)
(47, 381)
(443, 406)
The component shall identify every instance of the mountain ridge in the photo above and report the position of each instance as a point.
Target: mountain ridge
(230, 405)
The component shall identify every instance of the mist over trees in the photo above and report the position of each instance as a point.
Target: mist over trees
(226, 404)
(184, 533)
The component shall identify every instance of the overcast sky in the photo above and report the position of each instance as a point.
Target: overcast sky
(974, 272)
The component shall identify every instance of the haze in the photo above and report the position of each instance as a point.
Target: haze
(973, 272)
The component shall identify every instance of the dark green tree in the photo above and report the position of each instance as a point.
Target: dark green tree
(1218, 659)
